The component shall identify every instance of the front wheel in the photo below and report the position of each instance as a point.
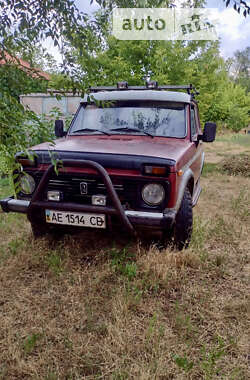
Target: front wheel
(183, 226)
(39, 229)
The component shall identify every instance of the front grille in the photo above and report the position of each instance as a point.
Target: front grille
(128, 190)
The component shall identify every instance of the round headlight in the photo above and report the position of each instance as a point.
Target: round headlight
(27, 184)
(153, 194)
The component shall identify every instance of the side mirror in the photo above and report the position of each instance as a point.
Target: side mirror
(209, 132)
(59, 128)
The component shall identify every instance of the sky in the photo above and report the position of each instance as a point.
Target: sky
(233, 29)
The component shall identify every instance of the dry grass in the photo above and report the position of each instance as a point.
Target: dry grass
(226, 146)
(237, 165)
(95, 307)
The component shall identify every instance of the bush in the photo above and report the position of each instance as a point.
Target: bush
(229, 107)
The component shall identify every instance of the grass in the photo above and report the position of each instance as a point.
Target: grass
(231, 164)
(236, 138)
(4, 187)
(92, 306)
(227, 145)
(209, 168)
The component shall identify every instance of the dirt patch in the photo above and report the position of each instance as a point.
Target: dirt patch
(236, 165)
(225, 146)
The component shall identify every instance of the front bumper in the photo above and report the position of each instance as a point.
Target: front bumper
(128, 219)
(161, 220)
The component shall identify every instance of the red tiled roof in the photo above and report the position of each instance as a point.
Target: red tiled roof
(23, 65)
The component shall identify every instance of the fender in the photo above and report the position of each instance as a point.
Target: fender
(184, 181)
(202, 163)
(188, 174)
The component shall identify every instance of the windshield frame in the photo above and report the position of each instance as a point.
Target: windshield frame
(112, 133)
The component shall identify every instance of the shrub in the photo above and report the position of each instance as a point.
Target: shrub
(237, 165)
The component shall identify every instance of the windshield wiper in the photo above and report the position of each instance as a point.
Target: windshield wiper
(91, 130)
(131, 130)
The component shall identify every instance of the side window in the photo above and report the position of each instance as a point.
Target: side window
(193, 122)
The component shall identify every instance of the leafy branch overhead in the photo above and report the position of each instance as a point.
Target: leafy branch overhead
(92, 56)
(27, 22)
(239, 6)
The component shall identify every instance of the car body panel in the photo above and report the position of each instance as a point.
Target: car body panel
(122, 157)
(159, 147)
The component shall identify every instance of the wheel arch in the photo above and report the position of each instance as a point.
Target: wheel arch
(186, 182)
(190, 185)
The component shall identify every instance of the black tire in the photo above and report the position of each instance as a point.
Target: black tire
(39, 230)
(183, 226)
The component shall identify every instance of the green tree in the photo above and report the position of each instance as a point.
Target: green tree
(23, 25)
(92, 55)
(240, 68)
(168, 62)
(38, 57)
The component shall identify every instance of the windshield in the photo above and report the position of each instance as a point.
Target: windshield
(151, 118)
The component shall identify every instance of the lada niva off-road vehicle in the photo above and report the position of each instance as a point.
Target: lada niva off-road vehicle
(132, 157)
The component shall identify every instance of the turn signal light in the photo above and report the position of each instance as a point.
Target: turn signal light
(155, 170)
(180, 173)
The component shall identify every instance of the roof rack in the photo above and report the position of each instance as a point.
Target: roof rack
(123, 86)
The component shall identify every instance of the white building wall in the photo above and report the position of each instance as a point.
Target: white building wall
(44, 103)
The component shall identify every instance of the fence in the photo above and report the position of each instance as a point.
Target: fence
(44, 103)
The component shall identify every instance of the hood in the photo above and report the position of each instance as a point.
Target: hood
(157, 147)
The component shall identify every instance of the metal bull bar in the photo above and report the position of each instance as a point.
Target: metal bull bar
(37, 198)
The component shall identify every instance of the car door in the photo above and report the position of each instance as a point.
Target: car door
(198, 158)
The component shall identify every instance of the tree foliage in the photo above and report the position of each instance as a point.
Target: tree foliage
(22, 128)
(38, 57)
(239, 6)
(240, 68)
(169, 62)
(23, 25)
(93, 56)
(19, 128)
(27, 22)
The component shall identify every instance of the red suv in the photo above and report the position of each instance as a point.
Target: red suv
(132, 157)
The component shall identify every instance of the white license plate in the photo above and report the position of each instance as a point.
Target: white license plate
(75, 219)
